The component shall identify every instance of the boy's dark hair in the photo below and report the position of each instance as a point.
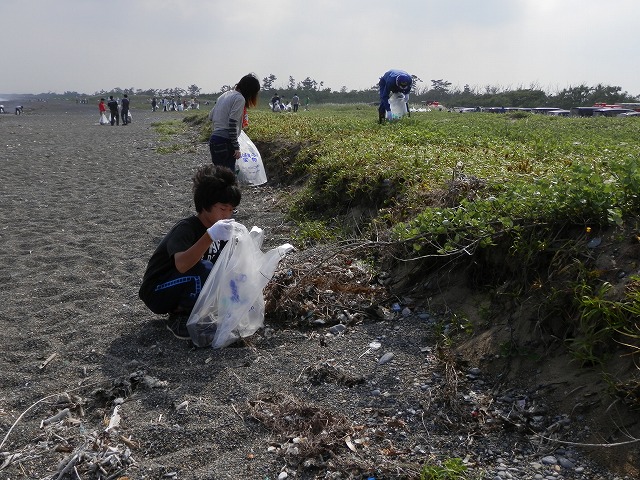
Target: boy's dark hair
(249, 87)
(215, 184)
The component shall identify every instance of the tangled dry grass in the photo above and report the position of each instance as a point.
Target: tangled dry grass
(327, 288)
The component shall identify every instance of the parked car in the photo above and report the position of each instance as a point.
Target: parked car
(559, 113)
(610, 112)
(544, 110)
(630, 114)
(584, 111)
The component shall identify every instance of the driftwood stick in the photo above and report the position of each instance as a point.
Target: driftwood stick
(22, 415)
(70, 464)
(37, 403)
(48, 360)
(9, 459)
(57, 417)
(128, 442)
(116, 474)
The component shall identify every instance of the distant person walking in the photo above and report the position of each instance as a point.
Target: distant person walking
(227, 116)
(295, 101)
(125, 110)
(113, 109)
(154, 104)
(393, 81)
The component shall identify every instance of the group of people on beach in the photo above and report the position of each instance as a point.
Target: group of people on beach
(19, 109)
(278, 104)
(116, 111)
(392, 82)
(174, 105)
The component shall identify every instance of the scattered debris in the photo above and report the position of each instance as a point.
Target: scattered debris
(47, 361)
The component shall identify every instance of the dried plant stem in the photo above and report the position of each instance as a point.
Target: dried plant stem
(37, 403)
(578, 444)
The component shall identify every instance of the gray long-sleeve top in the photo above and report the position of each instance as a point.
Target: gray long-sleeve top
(226, 116)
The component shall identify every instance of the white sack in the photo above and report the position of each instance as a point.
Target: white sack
(398, 105)
(249, 166)
(231, 303)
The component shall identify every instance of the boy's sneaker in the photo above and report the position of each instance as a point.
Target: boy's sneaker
(177, 324)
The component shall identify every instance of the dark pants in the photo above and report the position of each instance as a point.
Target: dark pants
(114, 117)
(178, 292)
(125, 116)
(222, 152)
(382, 113)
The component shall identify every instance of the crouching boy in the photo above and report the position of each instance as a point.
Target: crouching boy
(182, 261)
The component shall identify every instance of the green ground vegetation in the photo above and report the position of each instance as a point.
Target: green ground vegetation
(500, 173)
(463, 187)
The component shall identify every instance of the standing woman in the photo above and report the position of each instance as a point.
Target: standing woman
(102, 108)
(227, 116)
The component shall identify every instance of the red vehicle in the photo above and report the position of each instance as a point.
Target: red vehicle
(606, 105)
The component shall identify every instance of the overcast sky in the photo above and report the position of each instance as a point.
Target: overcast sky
(92, 45)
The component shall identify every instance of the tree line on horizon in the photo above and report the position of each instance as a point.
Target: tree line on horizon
(439, 90)
(443, 92)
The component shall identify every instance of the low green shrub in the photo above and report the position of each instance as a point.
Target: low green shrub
(451, 469)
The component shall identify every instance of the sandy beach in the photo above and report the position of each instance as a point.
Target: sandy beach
(82, 207)
(92, 385)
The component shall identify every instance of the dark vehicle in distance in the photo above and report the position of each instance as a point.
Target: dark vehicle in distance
(583, 111)
(610, 112)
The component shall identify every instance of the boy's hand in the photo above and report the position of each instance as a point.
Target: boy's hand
(221, 230)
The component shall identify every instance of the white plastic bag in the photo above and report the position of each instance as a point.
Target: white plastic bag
(104, 120)
(398, 105)
(231, 302)
(249, 166)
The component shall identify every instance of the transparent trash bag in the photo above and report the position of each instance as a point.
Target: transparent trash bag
(104, 120)
(398, 105)
(249, 166)
(231, 303)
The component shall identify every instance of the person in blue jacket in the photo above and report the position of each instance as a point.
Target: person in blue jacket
(392, 81)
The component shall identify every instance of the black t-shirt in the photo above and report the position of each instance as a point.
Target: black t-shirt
(181, 237)
(125, 104)
(113, 105)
